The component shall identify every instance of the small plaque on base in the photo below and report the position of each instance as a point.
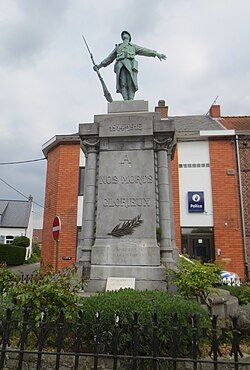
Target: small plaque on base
(116, 283)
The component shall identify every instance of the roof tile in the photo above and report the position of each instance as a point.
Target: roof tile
(240, 123)
(17, 213)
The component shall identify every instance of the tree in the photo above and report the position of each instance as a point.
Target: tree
(21, 241)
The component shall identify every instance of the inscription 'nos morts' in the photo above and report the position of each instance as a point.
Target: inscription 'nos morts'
(131, 179)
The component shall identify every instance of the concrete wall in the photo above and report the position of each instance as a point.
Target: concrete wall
(80, 197)
(195, 178)
(82, 159)
(29, 233)
(79, 210)
(87, 363)
(12, 231)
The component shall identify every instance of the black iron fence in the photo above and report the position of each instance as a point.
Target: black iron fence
(79, 344)
(224, 281)
(25, 278)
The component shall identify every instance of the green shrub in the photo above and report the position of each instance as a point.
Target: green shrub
(33, 259)
(21, 241)
(36, 249)
(242, 292)
(7, 279)
(36, 254)
(195, 279)
(51, 292)
(145, 303)
(12, 254)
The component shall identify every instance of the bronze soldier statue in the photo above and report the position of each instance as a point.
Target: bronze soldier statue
(126, 66)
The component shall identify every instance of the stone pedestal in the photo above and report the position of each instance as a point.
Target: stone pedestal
(126, 190)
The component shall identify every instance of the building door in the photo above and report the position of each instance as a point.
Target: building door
(201, 248)
(198, 243)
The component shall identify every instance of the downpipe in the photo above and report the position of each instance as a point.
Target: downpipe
(242, 208)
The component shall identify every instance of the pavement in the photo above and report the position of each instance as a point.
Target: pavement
(25, 269)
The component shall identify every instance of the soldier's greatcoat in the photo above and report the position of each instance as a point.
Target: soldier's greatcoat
(125, 57)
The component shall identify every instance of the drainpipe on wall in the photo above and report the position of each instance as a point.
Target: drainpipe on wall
(242, 208)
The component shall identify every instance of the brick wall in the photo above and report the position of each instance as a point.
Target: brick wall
(226, 208)
(176, 201)
(61, 195)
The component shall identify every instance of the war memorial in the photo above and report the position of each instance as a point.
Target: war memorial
(127, 189)
(127, 240)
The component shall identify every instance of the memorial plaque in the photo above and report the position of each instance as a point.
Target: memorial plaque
(126, 192)
(115, 283)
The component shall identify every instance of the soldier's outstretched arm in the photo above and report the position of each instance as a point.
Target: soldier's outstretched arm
(139, 50)
(110, 58)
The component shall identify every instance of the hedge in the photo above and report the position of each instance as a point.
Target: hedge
(21, 241)
(242, 292)
(12, 254)
(145, 304)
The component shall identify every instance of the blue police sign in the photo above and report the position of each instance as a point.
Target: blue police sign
(196, 201)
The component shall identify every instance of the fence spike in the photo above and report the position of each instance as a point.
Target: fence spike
(96, 339)
(235, 350)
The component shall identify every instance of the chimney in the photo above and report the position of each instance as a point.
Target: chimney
(214, 111)
(162, 108)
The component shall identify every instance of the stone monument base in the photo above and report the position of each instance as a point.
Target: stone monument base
(94, 286)
(149, 277)
(127, 258)
(127, 196)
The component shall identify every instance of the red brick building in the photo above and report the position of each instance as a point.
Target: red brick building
(241, 126)
(38, 237)
(61, 196)
(206, 162)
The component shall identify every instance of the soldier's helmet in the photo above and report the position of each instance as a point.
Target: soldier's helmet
(123, 32)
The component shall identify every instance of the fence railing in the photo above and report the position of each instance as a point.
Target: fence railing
(231, 281)
(81, 344)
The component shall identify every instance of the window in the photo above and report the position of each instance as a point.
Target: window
(81, 180)
(9, 239)
(193, 165)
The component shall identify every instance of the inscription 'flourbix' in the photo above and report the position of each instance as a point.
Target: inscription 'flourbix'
(126, 202)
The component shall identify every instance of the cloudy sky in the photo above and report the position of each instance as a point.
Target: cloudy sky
(48, 85)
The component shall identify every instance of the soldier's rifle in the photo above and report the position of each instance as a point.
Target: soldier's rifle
(104, 87)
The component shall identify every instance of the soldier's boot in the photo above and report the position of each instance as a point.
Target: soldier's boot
(130, 88)
(131, 95)
(125, 93)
